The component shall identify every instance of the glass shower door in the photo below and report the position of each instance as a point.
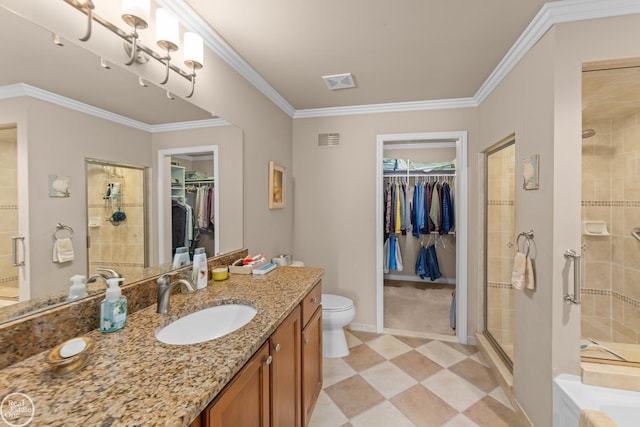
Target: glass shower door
(12, 247)
(500, 248)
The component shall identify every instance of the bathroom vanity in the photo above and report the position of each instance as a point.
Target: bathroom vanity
(269, 370)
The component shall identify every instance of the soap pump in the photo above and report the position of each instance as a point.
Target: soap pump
(78, 288)
(113, 309)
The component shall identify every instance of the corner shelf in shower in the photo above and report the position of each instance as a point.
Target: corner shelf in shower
(595, 228)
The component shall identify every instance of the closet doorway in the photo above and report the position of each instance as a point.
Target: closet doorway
(421, 235)
(188, 200)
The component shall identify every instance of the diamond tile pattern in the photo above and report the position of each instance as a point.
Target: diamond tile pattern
(390, 380)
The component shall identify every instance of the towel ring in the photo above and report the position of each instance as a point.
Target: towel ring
(528, 236)
(62, 227)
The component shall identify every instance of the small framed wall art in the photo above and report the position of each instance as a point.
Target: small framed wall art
(531, 172)
(277, 186)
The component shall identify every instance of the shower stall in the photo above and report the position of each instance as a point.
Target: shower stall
(611, 209)
(500, 241)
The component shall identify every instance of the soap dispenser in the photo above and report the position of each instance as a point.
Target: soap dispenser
(78, 288)
(113, 309)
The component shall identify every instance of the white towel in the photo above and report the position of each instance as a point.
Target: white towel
(529, 279)
(63, 250)
(519, 269)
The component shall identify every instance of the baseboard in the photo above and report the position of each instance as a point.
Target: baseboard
(363, 327)
(429, 335)
(444, 280)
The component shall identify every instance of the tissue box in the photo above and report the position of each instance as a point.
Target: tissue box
(238, 268)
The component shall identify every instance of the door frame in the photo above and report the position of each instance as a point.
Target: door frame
(461, 197)
(164, 210)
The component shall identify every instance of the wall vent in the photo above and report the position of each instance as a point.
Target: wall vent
(339, 81)
(328, 139)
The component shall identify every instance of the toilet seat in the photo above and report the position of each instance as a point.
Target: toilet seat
(333, 303)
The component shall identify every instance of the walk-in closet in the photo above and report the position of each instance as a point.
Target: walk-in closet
(192, 203)
(419, 221)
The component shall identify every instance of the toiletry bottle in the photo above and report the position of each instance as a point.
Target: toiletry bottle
(181, 257)
(78, 288)
(113, 309)
(200, 272)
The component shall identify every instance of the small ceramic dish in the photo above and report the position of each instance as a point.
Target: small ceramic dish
(220, 273)
(70, 356)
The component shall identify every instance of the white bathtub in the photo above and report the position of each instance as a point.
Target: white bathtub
(570, 396)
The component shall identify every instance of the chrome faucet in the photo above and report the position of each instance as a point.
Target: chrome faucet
(164, 291)
(108, 274)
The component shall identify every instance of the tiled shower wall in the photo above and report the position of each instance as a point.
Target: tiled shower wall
(611, 264)
(8, 212)
(116, 246)
(501, 246)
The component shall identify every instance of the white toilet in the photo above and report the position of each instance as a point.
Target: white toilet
(337, 312)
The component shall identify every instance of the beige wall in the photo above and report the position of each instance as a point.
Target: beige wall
(230, 180)
(335, 198)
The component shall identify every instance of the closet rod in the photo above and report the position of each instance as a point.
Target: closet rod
(418, 174)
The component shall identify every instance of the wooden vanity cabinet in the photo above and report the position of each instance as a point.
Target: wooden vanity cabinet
(311, 356)
(245, 401)
(285, 372)
(280, 384)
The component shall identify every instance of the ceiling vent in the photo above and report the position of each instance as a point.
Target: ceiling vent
(328, 139)
(339, 81)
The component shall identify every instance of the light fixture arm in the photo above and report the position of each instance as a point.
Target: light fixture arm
(134, 47)
(88, 7)
(168, 63)
(193, 82)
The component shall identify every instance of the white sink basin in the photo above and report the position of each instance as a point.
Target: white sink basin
(207, 324)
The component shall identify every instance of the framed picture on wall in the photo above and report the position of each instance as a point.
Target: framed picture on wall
(277, 188)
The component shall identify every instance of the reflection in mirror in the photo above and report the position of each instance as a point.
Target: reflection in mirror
(610, 212)
(500, 241)
(9, 216)
(63, 114)
(116, 216)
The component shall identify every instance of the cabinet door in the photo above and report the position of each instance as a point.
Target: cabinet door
(311, 365)
(285, 373)
(245, 401)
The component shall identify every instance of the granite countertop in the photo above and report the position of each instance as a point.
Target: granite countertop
(133, 379)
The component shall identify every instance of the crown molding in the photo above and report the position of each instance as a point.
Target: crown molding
(218, 45)
(21, 89)
(550, 14)
(391, 107)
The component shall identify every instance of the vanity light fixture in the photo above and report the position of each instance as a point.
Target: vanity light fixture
(167, 36)
(136, 14)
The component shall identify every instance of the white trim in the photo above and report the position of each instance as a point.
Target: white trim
(220, 47)
(22, 89)
(162, 239)
(364, 327)
(411, 145)
(461, 197)
(550, 14)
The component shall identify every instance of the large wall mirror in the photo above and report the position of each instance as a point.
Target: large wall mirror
(59, 107)
(611, 212)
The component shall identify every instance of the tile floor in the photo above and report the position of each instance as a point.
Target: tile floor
(396, 381)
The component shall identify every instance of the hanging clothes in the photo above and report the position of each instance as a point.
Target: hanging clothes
(392, 258)
(427, 263)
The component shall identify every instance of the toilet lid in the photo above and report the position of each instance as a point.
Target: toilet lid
(335, 302)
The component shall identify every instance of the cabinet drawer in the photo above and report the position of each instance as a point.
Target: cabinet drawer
(311, 302)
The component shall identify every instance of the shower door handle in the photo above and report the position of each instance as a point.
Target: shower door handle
(571, 255)
(14, 251)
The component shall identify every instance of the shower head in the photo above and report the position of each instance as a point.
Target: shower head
(588, 133)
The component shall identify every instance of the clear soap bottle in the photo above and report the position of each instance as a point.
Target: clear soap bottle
(113, 309)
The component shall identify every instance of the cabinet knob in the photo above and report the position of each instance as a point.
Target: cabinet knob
(276, 347)
(306, 341)
(314, 300)
(269, 360)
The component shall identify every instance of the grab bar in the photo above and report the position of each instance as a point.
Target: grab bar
(636, 233)
(571, 255)
(14, 251)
